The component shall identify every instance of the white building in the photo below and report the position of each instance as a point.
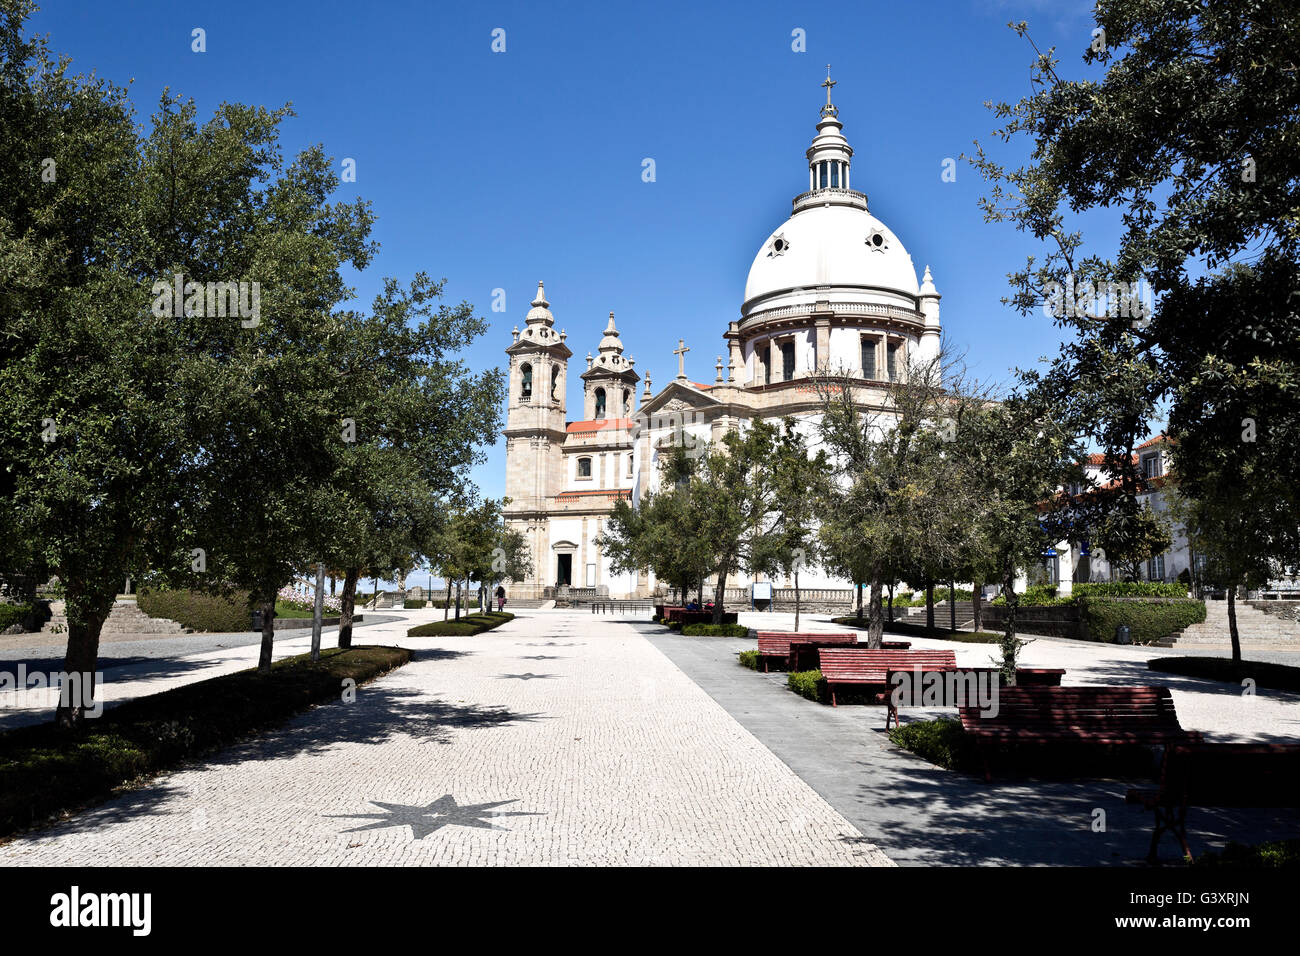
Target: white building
(831, 288)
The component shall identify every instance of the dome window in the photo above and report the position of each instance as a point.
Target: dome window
(877, 241)
(780, 244)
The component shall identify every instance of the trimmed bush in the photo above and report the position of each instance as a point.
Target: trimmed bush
(749, 659)
(467, 626)
(211, 613)
(1040, 595)
(715, 630)
(1147, 620)
(413, 605)
(1282, 854)
(11, 614)
(809, 684)
(1275, 676)
(1129, 589)
(46, 769)
(942, 742)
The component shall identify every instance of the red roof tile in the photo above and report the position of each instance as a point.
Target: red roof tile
(599, 425)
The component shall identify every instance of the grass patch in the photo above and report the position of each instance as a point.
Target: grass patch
(749, 659)
(1275, 676)
(715, 630)
(46, 770)
(467, 626)
(207, 613)
(1276, 854)
(942, 742)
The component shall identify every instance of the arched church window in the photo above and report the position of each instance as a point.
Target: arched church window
(600, 403)
(627, 402)
(555, 381)
(525, 382)
(584, 467)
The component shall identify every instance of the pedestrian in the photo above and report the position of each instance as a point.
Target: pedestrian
(501, 597)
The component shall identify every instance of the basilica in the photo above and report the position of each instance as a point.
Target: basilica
(831, 288)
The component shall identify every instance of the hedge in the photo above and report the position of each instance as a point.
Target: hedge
(1274, 854)
(809, 684)
(467, 626)
(11, 614)
(1046, 595)
(412, 605)
(1147, 621)
(749, 659)
(210, 613)
(1264, 674)
(942, 742)
(715, 630)
(46, 769)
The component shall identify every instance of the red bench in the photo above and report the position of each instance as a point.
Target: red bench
(865, 666)
(814, 647)
(1028, 676)
(779, 643)
(1218, 775)
(1094, 715)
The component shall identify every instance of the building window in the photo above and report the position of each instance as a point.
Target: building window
(1156, 568)
(630, 464)
(555, 381)
(869, 356)
(584, 467)
(823, 174)
(764, 372)
(891, 359)
(835, 175)
(525, 382)
(787, 361)
(627, 402)
(1151, 466)
(600, 403)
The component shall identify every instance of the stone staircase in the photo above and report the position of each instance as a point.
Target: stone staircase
(1254, 627)
(127, 618)
(942, 616)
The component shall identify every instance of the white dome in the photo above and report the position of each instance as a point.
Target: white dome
(837, 246)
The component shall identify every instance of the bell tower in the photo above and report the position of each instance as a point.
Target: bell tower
(609, 384)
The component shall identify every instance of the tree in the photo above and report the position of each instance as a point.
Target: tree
(1131, 537)
(660, 533)
(1189, 137)
(802, 483)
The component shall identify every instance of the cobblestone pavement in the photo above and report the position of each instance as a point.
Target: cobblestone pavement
(556, 739)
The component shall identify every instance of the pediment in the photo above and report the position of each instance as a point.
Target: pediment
(676, 397)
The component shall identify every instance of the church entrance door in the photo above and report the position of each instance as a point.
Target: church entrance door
(563, 569)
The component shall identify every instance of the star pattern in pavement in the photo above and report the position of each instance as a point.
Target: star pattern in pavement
(443, 812)
(529, 676)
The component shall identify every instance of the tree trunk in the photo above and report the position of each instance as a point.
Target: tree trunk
(333, 581)
(1232, 622)
(891, 602)
(857, 586)
(875, 618)
(317, 611)
(952, 605)
(977, 604)
(457, 615)
(268, 633)
(348, 605)
(81, 658)
(929, 605)
(796, 599)
(1010, 645)
(719, 592)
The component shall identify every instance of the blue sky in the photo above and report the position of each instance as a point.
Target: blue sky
(495, 170)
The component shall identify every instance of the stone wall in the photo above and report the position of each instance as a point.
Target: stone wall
(1061, 621)
(1286, 610)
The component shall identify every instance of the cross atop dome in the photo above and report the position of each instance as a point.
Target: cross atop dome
(829, 109)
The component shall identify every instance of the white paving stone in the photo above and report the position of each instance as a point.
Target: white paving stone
(610, 756)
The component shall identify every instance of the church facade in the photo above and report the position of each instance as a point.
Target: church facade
(830, 289)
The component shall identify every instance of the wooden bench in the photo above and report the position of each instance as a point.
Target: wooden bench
(1025, 676)
(864, 666)
(779, 643)
(814, 648)
(1094, 715)
(1218, 775)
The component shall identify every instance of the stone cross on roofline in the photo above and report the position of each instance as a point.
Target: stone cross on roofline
(680, 352)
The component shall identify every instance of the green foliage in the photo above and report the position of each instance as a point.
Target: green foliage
(942, 742)
(1148, 620)
(749, 659)
(1275, 854)
(206, 613)
(46, 769)
(467, 626)
(809, 684)
(11, 614)
(413, 605)
(1105, 589)
(1264, 674)
(715, 630)
(1037, 595)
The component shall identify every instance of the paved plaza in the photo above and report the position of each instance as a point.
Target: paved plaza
(567, 738)
(556, 739)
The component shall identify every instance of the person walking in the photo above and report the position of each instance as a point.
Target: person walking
(501, 597)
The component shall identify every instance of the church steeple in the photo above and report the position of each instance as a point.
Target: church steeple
(830, 158)
(609, 384)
